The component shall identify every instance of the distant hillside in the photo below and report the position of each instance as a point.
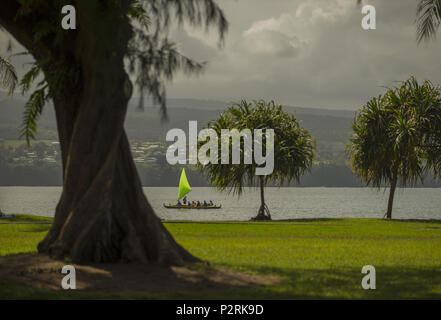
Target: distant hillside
(330, 128)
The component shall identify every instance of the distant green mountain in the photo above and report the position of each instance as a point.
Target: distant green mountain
(330, 128)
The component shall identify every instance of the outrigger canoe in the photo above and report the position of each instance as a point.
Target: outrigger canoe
(174, 206)
(184, 188)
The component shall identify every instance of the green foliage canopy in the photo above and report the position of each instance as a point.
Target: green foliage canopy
(398, 132)
(152, 57)
(293, 146)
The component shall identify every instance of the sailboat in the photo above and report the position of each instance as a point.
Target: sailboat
(184, 188)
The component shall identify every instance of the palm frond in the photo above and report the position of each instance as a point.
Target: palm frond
(8, 76)
(155, 61)
(199, 13)
(29, 77)
(428, 19)
(153, 58)
(32, 111)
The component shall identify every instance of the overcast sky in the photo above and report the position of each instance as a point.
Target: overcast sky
(309, 53)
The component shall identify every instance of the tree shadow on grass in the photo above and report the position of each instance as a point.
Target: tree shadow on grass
(254, 222)
(308, 220)
(36, 272)
(37, 228)
(345, 283)
(435, 221)
(36, 276)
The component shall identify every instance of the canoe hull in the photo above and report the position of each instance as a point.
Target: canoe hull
(172, 206)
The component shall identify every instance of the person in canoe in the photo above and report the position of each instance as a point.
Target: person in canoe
(183, 202)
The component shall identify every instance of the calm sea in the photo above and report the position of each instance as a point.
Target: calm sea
(284, 203)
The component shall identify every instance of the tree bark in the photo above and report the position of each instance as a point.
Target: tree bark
(393, 187)
(111, 221)
(263, 213)
(103, 214)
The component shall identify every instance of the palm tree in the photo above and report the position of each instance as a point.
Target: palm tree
(391, 137)
(8, 77)
(293, 149)
(428, 22)
(428, 117)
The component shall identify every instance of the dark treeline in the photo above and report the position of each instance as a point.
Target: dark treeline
(46, 174)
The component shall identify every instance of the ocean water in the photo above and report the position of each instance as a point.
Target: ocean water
(284, 203)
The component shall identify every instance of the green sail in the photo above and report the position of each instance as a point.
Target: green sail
(184, 186)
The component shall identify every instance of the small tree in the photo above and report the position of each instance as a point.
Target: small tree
(293, 149)
(388, 143)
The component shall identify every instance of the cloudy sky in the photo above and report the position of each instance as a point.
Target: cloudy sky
(310, 53)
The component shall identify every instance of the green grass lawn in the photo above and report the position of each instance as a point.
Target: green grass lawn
(319, 258)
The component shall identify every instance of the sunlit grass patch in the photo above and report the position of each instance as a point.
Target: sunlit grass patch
(318, 258)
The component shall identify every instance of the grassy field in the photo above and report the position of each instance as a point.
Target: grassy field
(319, 258)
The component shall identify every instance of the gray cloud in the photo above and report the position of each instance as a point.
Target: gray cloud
(312, 53)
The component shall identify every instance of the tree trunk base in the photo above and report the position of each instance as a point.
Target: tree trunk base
(112, 223)
(263, 214)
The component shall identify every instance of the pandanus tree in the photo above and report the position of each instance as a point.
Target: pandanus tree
(393, 136)
(103, 214)
(427, 113)
(293, 149)
(428, 22)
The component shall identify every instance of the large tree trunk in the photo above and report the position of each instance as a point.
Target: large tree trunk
(103, 214)
(393, 187)
(111, 220)
(263, 213)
